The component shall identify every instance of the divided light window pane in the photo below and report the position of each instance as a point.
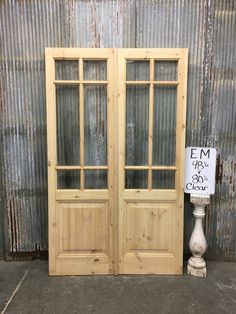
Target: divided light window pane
(163, 179)
(137, 70)
(164, 125)
(68, 179)
(137, 103)
(165, 70)
(66, 70)
(136, 179)
(68, 126)
(95, 70)
(95, 125)
(95, 179)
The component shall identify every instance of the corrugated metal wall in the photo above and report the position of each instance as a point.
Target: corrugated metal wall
(206, 27)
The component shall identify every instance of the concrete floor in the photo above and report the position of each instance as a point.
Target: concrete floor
(25, 287)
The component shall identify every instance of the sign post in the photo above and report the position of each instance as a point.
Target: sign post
(200, 164)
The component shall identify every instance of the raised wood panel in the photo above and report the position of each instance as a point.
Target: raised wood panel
(83, 227)
(149, 227)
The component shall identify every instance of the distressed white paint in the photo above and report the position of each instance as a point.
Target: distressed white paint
(197, 244)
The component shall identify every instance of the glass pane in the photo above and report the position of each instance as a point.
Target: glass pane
(136, 179)
(165, 71)
(95, 125)
(164, 126)
(68, 133)
(95, 70)
(163, 179)
(95, 179)
(137, 102)
(137, 70)
(68, 179)
(67, 70)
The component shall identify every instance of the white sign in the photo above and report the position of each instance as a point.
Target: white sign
(200, 165)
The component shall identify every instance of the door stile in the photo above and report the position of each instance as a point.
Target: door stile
(180, 138)
(51, 148)
(114, 75)
(121, 96)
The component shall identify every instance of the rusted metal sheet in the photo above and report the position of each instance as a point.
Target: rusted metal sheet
(206, 27)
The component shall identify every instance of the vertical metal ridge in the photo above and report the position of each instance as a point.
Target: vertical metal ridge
(221, 223)
(206, 27)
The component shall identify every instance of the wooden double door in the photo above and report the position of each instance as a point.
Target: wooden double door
(116, 133)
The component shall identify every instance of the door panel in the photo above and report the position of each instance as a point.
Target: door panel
(149, 227)
(86, 222)
(148, 232)
(115, 160)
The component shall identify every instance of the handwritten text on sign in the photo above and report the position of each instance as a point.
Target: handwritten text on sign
(200, 165)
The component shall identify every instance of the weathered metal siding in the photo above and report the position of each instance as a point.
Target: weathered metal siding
(206, 27)
(221, 222)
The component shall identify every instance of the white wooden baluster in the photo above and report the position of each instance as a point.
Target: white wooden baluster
(197, 244)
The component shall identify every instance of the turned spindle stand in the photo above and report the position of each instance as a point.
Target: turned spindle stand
(197, 244)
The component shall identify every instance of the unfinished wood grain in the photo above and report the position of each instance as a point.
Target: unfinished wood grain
(77, 82)
(51, 149)
(111, 161)
(180, 144)
(159, 213)
(76, 53)
(76, 220)
(116, 165)
(81, 167)
(149, 227)
(115, 230)
(95, 82)
(66, 82)
(121, 126)
(149, 53)
(80, 220)
(78, 195)
(137, 82)
(150, 167)
(166, 83)
(146, 263)
(87, 264)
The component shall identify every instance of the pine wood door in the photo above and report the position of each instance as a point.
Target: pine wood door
(151, 106)
(80, 160)
(116, 128)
